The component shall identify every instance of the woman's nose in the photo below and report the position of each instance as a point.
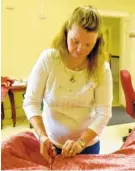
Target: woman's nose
(80, 47)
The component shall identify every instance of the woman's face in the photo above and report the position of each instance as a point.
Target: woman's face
(80, 42)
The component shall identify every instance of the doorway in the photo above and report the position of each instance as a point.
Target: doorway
(112, 36)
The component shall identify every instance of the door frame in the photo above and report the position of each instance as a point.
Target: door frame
(109, 13)
(121, 16)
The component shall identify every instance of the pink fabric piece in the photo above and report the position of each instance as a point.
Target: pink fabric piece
(5, 85)
(21, 152)
(4, 92)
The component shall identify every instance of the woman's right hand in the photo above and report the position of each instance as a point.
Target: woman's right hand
(47, 149)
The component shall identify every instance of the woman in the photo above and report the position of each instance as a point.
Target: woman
(74, 80)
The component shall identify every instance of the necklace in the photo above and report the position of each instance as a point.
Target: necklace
(72, 78)
(73, 72)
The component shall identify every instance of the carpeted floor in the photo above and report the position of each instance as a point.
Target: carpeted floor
(119, 116)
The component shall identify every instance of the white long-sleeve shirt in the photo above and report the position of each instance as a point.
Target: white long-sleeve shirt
(69, 107)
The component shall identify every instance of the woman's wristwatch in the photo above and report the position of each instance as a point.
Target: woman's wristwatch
(81, 142)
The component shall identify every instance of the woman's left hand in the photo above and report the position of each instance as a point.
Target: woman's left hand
(71, 148)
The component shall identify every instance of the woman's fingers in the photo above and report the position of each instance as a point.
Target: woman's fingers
(66, 148)
(46, 148)
(44, 151)
(71, 148)
(53, 151)
(75, 151)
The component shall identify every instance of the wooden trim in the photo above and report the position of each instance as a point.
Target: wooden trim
(132, 35)
(109, 13)
(114, 56)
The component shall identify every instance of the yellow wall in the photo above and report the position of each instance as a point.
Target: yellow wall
(113, 24)
(25, 35)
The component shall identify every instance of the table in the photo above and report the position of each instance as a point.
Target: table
(12, 90)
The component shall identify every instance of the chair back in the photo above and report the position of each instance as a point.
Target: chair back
(129, 92)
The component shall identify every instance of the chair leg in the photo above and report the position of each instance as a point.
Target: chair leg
(130, 130)
(31, 126)
(124, 138)
(2, 114)
(12, 102)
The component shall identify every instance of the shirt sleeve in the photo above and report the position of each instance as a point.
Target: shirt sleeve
(36, 85)
(103, 102)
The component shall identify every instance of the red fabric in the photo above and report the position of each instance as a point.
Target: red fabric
(5, 84)
(129, 92)
(21, 152)
(130, 141)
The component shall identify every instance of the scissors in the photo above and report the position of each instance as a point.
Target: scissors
(51, 156)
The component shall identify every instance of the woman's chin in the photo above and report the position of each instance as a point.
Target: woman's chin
(76, 55)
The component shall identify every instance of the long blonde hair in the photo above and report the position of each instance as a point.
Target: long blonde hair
(88, 18)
